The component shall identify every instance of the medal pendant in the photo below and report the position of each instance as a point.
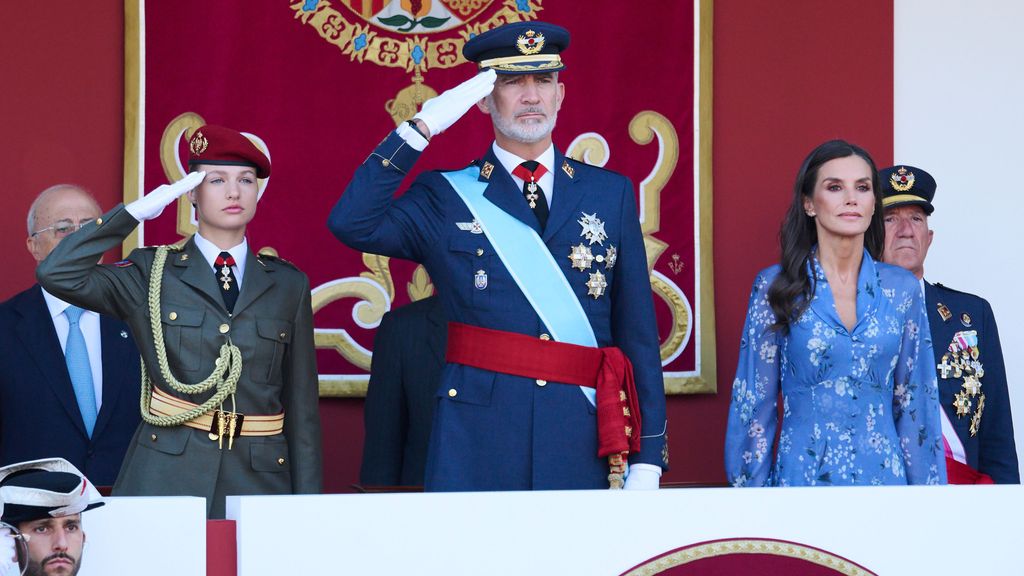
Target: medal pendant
(532, 197)
(532, 186)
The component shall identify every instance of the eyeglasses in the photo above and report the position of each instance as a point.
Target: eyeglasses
(62, 228)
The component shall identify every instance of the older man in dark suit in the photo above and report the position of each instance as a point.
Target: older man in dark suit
(977, 424)
(69, 378)
(408, 354)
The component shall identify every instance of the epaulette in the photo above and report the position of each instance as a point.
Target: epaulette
(948, 289)
(270, 255)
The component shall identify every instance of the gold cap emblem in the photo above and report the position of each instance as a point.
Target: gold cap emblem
(902, 180)
(530, 43)
(198, 144)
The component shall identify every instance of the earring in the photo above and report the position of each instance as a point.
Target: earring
(811, 214)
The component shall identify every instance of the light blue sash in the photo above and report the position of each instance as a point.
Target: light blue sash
(530, 263)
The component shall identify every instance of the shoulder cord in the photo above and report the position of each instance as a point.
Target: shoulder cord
(227, 368)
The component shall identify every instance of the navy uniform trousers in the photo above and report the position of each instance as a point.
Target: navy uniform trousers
(495, 431)
(992, 450)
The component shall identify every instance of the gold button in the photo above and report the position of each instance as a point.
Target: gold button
(542, 383)
(99, 221)
(224, 328)
(479, 251)
(173, 315)
(282, 335)
(545, 337)
(452, 392)
(385, 162)
(280, 461)
(152, 437)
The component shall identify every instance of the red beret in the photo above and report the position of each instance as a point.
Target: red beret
(217, 145)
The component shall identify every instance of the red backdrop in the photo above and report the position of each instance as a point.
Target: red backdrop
(786, 76)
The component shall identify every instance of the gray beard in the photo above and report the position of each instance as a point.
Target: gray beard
(525, 133)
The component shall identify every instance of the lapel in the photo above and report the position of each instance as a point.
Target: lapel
(569, 196)
(938, 328)
(194, 270)
(36, 331)
(255, 281)
(437, 325)
(503, 192)
(868, 294)
(115, 349)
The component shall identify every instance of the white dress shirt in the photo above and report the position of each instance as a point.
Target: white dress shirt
(210, 252)
(90, 326)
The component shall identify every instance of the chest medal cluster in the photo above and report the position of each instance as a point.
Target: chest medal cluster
(961, 362)
(583, 257)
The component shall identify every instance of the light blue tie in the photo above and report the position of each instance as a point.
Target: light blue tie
(77, 357)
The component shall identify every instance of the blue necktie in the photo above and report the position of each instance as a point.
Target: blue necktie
(77, 357)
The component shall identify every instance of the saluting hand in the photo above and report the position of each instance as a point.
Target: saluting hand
(152, 205)
(440, 112)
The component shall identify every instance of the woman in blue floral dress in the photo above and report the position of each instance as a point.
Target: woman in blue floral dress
(841, 334)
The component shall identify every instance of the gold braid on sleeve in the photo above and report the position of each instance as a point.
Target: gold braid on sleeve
(227, 369)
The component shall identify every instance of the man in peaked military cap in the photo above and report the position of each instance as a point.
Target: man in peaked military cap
(230, 391)
(554, 377)
(977, 425)
(44, 500)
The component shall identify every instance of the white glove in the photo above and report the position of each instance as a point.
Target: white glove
(440, 112)
(151, 205)
(643, 477)
(8, 559)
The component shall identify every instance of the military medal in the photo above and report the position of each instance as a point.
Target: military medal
(944, 311)
(611, 255)
(225, 270)
(976, 419)
(593, 228)
(971, 385)
(532, 196)
(596, 285)
(962, 403)
(581, 257)
(965, 319)
(945, 367)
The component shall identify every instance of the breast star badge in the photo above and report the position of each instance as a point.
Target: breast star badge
(581, 257)
(593, 228)
(962, 403)
(972, 385)
(596, 285)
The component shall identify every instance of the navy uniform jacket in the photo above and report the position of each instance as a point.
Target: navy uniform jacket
(408, 355)
(495, 431)
(992, 451)
(39, 415)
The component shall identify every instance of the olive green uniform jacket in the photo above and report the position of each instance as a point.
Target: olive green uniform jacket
(272, 325)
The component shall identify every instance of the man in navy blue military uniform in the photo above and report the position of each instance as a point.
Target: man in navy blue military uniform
(977, 425)
(553, 378)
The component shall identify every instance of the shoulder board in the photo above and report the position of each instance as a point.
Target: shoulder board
(264, 257)
(953, 290)
(577, 164)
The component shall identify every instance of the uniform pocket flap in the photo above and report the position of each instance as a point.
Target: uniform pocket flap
(170, 440)
(471, 386)
(274, 329)
(475, 244)
(269, 456)
(178, 316)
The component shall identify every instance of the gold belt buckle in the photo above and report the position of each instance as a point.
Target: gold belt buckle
(226, 422)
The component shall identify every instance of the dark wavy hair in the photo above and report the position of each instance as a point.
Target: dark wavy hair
(791, 292)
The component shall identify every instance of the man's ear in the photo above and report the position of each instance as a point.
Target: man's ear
(483, 107)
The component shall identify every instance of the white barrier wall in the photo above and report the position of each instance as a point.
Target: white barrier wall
(153, 536)
(887, 530)
(959, 113)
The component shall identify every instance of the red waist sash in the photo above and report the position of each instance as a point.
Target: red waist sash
(607, 370)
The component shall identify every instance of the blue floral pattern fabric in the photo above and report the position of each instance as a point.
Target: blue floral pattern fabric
(858, 408)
